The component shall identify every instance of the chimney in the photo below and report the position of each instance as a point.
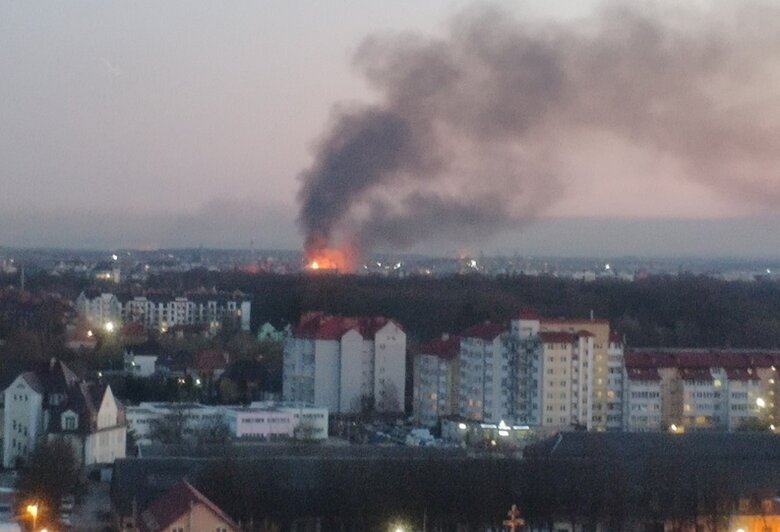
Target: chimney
(445, 336)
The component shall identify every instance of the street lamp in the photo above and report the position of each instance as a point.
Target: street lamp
(32, 509)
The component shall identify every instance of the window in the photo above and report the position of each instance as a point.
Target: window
(70, 422)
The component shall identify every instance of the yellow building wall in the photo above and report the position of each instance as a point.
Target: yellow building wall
(200, 519)
(599, 385)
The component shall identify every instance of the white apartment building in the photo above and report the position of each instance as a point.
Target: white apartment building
(746, 401)
(160, 313)
(436, 374)
(53, 402)
(346, 364)
(99, 309)
(483, 390)
(615, 365)
(642, 399)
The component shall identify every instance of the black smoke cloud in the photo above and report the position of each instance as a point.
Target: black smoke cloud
(472, 129)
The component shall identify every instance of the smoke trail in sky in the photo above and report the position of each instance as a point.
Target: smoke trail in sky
(471, 130)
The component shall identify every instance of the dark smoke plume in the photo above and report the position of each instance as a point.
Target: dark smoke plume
(473, 129)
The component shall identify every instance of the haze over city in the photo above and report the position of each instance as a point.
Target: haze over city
(189, 124)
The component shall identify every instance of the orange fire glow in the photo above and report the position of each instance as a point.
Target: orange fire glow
(330, 259)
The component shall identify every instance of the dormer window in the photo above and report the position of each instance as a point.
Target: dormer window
(55, 399)
(69, 420)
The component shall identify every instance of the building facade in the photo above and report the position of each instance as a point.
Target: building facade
(346, 364)
(702, 390)
(265, 420)
(535, 372)
(54, 403)
(162, 312)
(436, 378)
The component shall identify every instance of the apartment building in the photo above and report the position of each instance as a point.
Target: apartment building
(598, 369)
(483, 390)
(533, 371)
(701, 390)
(346, 364)
(162, 311)
(566, 379)
(641, 396)
(99, 309)
(436, 377)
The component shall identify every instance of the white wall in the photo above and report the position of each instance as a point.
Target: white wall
(23, 407)
(351, 371)
(390, 368)
(326, 374)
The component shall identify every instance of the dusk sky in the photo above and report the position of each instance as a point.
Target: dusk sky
(172, 124)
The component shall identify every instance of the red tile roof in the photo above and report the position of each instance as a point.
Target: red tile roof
(172, 505)
(444, 348)
(484, 331)
(319, 326)
(527, 314)
(210, 361)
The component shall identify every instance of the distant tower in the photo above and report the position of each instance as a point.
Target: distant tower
(21, 279)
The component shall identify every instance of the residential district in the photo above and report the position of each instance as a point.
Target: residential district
(448, 434)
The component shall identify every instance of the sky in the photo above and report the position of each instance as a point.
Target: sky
(150, 124)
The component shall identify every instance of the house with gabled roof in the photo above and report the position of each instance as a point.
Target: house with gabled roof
(52, 402)
(183, 509)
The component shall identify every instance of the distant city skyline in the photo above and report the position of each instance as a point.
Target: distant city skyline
(188, 124)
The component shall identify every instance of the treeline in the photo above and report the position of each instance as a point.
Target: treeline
(670, 311)
(616, 492)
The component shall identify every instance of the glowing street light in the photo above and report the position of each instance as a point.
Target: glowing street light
(760, 403)
(109, 326)
(32, 509)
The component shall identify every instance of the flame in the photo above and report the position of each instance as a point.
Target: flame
(331, 259)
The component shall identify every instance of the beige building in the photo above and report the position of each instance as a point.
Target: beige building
(599, 371)
(184, 509)
(567, 362)
(708, 390)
